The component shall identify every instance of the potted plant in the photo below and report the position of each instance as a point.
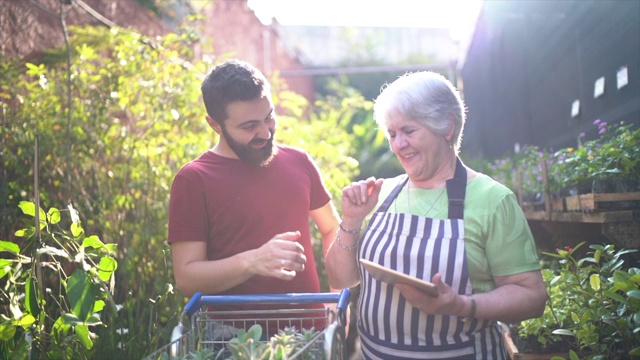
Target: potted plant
(609, 163)
(522, 171)
(593, 309)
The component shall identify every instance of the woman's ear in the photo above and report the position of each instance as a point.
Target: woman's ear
(214, 125)
(452, 128)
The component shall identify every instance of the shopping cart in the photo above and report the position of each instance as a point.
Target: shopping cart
(202, 328)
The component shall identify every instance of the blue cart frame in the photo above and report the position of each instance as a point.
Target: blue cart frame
(201, 326)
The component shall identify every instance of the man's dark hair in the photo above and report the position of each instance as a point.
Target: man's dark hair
(233, 80)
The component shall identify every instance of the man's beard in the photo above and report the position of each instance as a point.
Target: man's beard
(249, 154)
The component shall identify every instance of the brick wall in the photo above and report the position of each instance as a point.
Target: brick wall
(234, 31)
(26, 29)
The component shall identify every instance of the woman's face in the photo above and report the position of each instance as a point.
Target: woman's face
(421, 153)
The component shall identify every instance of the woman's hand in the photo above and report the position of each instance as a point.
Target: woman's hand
(516, 297)
(448, 301)
(359, 198)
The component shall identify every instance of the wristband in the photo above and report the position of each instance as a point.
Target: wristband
(472, 312)
(349, 231)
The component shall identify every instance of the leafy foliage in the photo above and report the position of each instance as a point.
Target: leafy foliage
(66, 278)
(615, 155)
(611, 158)
(111, 141)
(248, 346)
(593, 305)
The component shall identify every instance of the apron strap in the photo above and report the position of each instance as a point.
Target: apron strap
(392, 196)
(456, 191)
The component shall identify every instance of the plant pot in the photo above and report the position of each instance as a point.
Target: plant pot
(529, 349)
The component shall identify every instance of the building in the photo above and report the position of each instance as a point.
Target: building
(234, 31)
(540, 73)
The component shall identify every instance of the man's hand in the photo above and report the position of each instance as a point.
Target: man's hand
(280, 257)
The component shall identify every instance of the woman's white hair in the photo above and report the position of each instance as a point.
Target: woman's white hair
(426, 97)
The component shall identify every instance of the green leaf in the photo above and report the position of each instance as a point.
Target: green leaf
(10, 247)
(76, 229)
(71, 319)
(7, 331)
(573, 355)
(28, 208)
(84, 336)
(26, 321)
(93, 320)
(5, 267)
(92, 241)
(60, 328)
(29, 232)
(82, 294)
(98, 306)
(53, 216)
(107, 267)
(31, 297)
(634, 294)
(562, 332)
(35, 70)
(594, 281)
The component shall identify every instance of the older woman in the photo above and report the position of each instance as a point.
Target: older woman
(441, 222)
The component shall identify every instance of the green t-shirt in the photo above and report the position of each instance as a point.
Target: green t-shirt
(498, 239)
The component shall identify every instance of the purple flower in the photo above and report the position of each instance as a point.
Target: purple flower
(596, 122)
(582, 134)
(602, 131)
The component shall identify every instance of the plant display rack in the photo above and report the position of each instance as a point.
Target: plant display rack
(618, 214)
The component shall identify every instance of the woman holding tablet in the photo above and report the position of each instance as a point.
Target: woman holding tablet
(442, 223)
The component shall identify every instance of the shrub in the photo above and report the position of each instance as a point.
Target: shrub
(593, 305)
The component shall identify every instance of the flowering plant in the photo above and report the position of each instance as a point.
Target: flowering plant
(521, 170)
(615, 156)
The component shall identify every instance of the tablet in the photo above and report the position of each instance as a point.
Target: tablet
(389, 276)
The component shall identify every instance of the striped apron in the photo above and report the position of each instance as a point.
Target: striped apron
(389, 326)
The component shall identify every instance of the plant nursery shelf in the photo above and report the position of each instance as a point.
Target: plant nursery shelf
(615, 216)
(585, 217)
(596, 201)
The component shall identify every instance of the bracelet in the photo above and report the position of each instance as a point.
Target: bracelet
(472, 313)
(349, 231)
(346, 247)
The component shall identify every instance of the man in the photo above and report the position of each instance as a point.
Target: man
(239, 213)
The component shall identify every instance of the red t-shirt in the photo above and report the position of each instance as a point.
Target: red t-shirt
(235, 207)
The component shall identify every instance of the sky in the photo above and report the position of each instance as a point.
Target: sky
(457, 15)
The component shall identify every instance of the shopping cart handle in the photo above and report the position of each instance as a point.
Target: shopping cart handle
(345, 298)
(290, 298)
(194, 304)
(198, 300)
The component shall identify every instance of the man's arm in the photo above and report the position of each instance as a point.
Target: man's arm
(280, 257)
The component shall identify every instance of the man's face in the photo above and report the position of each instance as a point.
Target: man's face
(249, 130)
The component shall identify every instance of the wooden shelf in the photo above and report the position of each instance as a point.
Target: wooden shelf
(596, 201)
(585, 217)
(614, 216)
